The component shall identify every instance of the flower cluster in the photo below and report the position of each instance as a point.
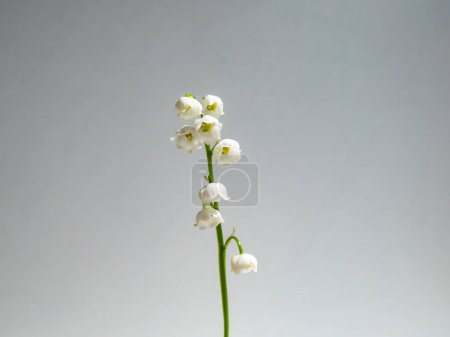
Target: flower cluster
(207, 130)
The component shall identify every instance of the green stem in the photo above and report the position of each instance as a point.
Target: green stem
(232, 237)
(222, 253)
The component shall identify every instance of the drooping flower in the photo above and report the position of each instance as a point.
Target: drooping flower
(188, 108)
(212, 105)
(187, 138)
(243, 263)
(208, 217)
(213, 192)
(208, 129)
(226, 152)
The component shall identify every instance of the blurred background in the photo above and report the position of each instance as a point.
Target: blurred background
(342, 105)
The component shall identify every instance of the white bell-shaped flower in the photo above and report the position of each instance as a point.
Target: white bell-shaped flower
(188, 108)
(187, 138)
(208, 129)
(213, 192)
(227, 152)
(208, 217)
(212, 105)
(243, 263)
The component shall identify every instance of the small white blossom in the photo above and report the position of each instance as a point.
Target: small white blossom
(213, 192)
(187, 138)
(212, 105)
(243, 263)
(208, 217)
(208, 129)
(188, 108)
(226, 152)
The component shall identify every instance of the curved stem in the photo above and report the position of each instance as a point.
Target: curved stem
(212, 149)
(232, 237)
(221, 252)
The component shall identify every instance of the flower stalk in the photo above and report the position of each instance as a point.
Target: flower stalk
(221, 249)
(207, 131)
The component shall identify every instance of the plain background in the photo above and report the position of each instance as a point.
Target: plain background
(343, 105)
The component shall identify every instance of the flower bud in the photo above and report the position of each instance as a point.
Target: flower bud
(212, 106)
(213, 192)
(226, 152)
(243, 263)
(187, 138)
(208, 129)
(208, 217)
(188, 108)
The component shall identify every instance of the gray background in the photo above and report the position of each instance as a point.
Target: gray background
(344, 106)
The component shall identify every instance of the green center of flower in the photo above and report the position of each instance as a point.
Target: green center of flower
(212, 107)
(189, 137)
(225, 150)
(206, 127)
(187, 108)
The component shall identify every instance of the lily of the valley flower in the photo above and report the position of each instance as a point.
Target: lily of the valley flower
(243, 263)
(208, 217)
(187, 138)
(208, 129)
(188, 108)
(213, 192)
(212, 105)
(226, 152)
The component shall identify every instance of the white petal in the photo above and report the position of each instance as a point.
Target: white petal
(208, 217)
(187, 138)
(230, 156)
(212, 105)
(234, 264)
(213, 192)
(212, 133)
(222, 191)
(244, 263)
(188, 108)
